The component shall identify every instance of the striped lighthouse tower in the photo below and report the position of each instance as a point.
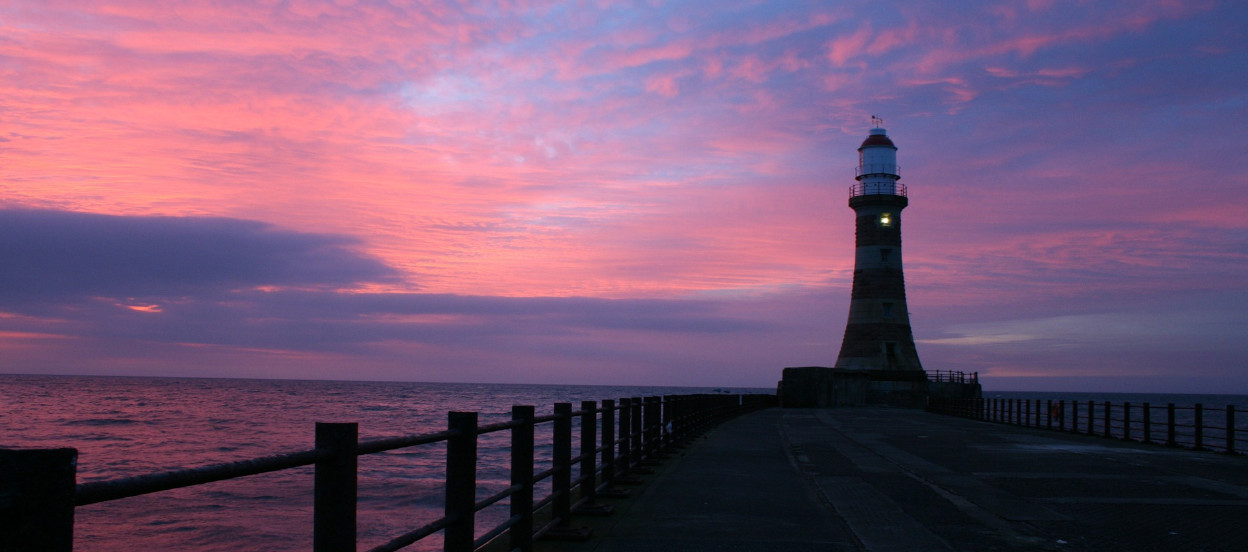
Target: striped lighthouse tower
(878, 336)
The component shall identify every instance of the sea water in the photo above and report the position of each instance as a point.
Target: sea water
(133, 426)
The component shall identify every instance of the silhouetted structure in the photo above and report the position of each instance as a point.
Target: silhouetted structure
(878, 362)
(877, 335)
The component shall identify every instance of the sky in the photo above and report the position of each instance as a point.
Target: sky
(619, 192)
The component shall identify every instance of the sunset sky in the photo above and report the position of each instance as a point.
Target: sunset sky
(616, 192)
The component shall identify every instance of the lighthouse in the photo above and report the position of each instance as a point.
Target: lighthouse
(877, 334)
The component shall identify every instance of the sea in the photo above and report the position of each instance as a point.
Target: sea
(129, 426)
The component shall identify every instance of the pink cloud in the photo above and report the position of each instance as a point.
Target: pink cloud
(844, 48)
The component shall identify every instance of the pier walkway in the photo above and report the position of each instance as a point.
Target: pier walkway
(890, 480)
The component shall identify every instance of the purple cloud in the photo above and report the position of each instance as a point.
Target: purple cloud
(59, 254)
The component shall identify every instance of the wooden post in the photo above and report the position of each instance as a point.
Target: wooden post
(589, 447)
(1170, 440)
(1148, 424)
(1108, 417)
(334, 510)
(608, 441)
(561, 479)
(1126, 421)
(637, 429)
(1091, 416)
(521, 534)
(625, 438)
(653, 427)
(1200, 427)
(1230, 429)
(1061, 415)
(668, 426)
(37, 499)
(461, 482)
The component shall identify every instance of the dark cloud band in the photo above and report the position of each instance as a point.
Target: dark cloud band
(46, 254)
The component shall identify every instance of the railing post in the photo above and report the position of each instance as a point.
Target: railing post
(637, 429)
(1126, 421)
(654, 427)
(1170, 440)
(521, 534)
(1091, 416)
(334, 502)
(561, 479)
(1108, 418)
(608, 442)
(1061, 415)
(589, 448)
(1200, 427)
(666, 406)
(37, 499)
(623, 467)
(1049, 406)
(461, 482)
(1230, 429)
(1148, 424)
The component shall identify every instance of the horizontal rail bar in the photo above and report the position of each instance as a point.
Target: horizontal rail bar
(409, 538)
(102, 491)
(383, 445)
(495, 532)
(493, 499)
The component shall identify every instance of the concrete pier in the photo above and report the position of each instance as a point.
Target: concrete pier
(889, 480)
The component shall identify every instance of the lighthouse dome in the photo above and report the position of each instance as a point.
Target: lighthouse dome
(877, 138)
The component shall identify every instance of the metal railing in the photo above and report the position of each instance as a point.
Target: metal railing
(38, 489)
(952, 376)
(877, 188)
(1197, 426)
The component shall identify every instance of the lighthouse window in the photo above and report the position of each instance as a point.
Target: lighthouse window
(886, 219)
(886, 255)
(888, 310)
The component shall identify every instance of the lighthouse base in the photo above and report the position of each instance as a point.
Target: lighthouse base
(821, 387)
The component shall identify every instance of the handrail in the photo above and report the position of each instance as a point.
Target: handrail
(102, 491)
(1171, 425)
(43, 492)
(877, 188)
(952, 376)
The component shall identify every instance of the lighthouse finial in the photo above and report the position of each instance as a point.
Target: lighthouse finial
(877, 122)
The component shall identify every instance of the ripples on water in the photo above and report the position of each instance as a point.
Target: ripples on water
(132, 426)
